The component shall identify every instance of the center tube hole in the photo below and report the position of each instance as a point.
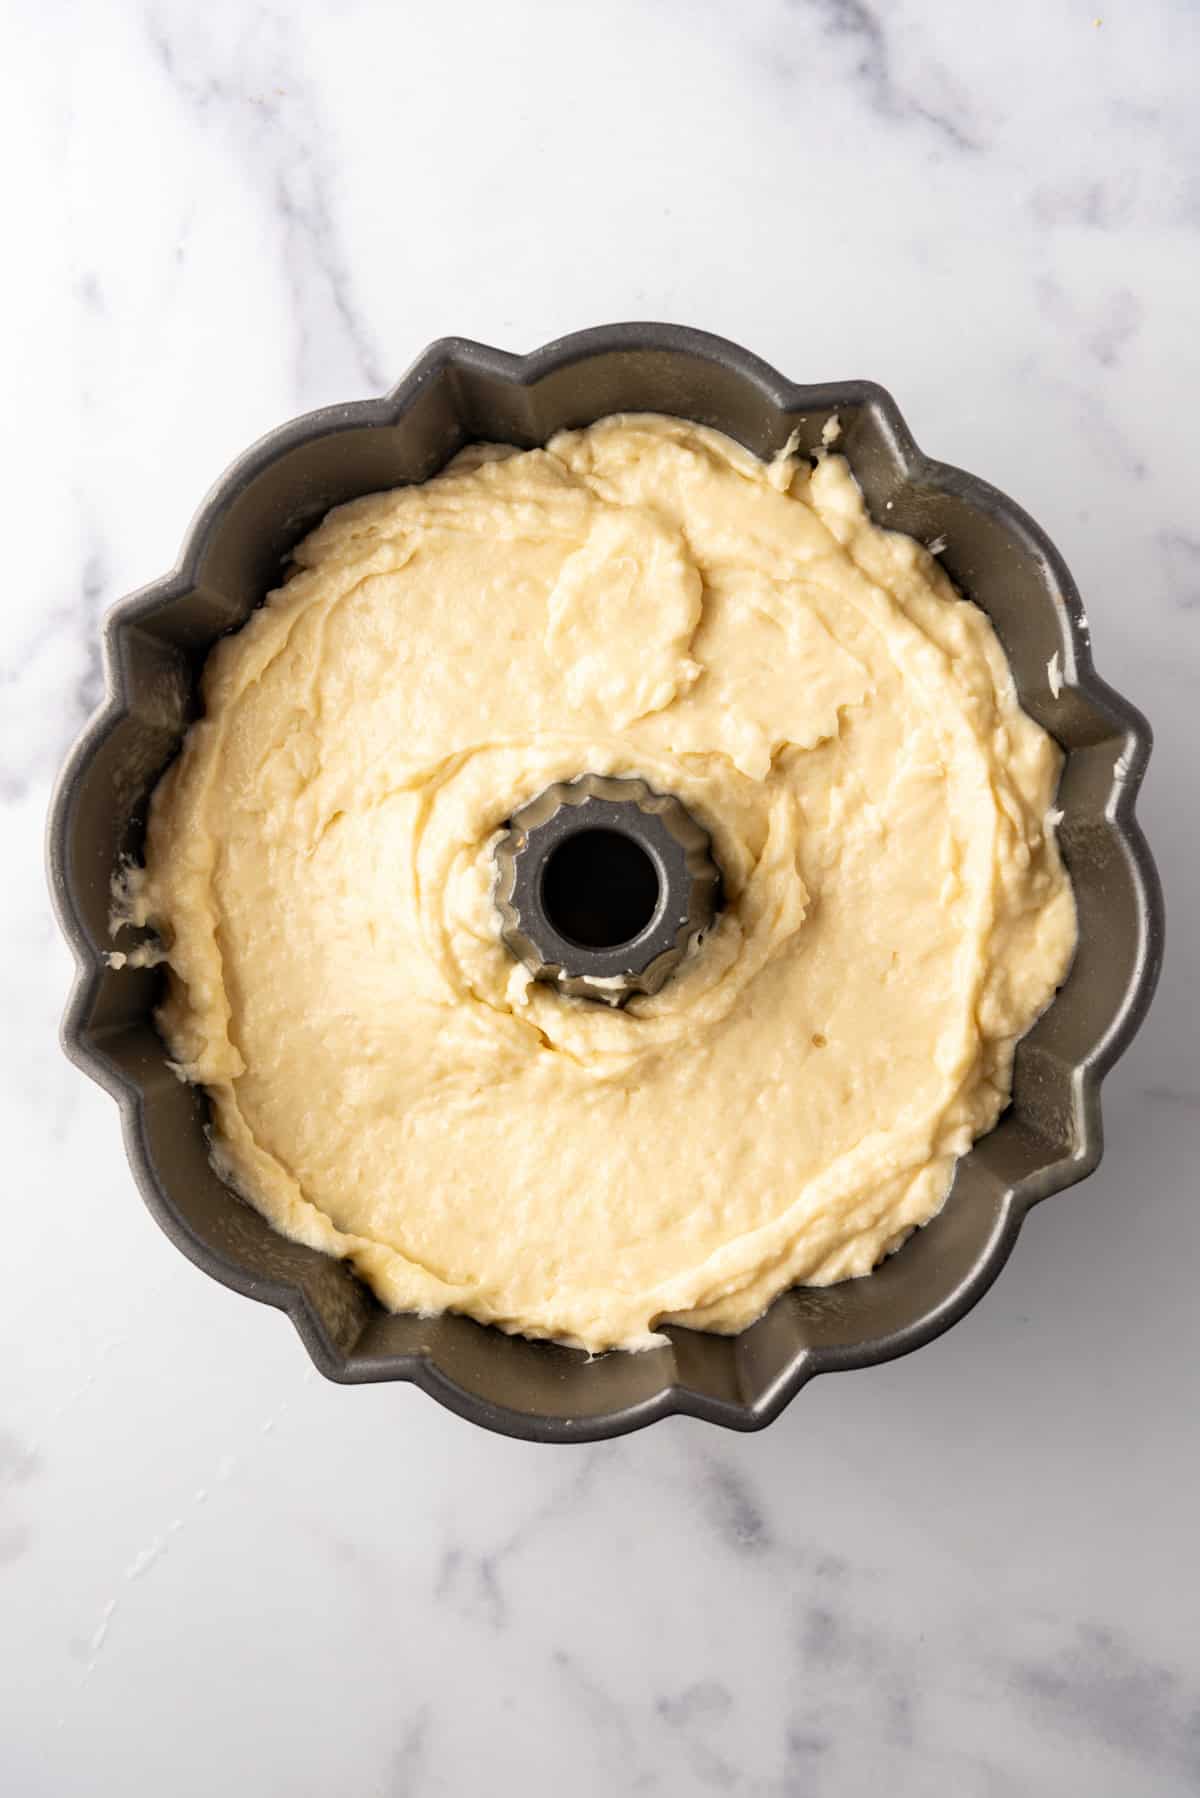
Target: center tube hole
(599, 889)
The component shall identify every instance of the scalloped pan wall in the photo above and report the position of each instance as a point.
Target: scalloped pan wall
(155, 643)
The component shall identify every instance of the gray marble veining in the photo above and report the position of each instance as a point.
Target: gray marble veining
(973, 1571)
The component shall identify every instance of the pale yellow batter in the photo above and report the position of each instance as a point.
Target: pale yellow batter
(642, 597)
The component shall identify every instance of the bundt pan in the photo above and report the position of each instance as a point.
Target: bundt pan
(154, 645)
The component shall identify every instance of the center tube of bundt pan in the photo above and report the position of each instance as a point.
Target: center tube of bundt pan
(603, 885)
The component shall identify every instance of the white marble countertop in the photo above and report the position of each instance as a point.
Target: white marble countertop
(971, 1572)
